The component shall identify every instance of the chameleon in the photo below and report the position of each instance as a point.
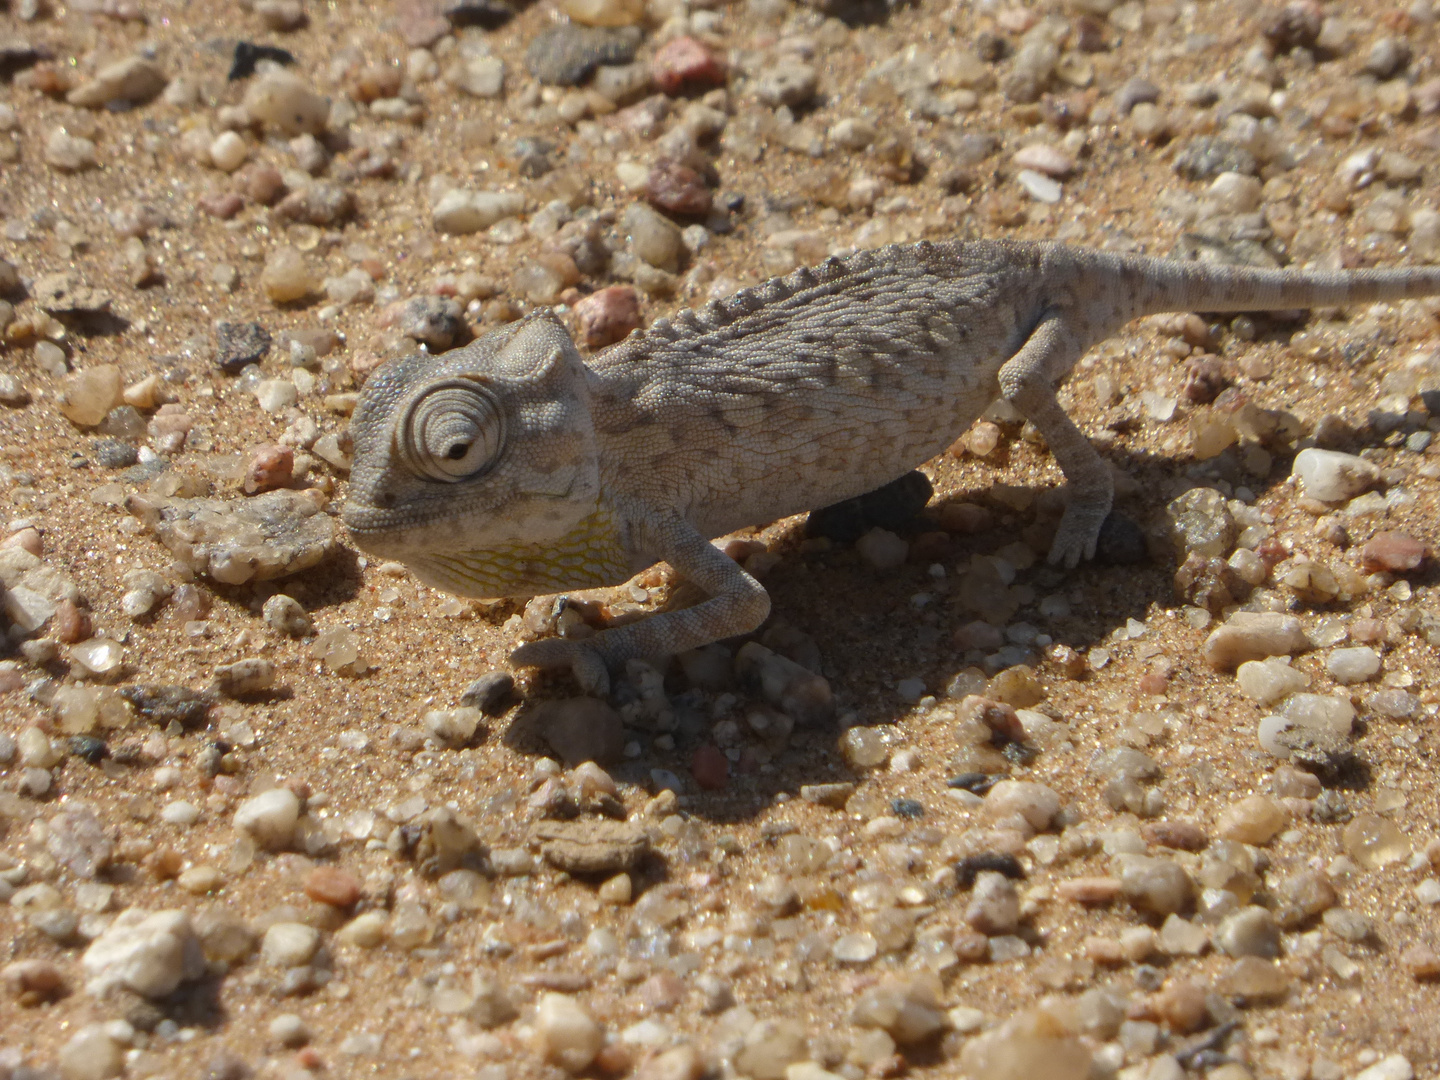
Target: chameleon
(512, 467)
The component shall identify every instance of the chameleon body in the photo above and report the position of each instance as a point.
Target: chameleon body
(512, 467)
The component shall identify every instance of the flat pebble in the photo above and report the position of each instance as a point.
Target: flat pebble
(1354, 665)
(149, 953)
(1248, 635)
(270, 817)
(1331, 476)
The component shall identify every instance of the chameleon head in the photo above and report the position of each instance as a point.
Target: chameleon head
(486, 447)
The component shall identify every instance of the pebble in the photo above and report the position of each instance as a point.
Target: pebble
(490, 692)
(1374, 842)
(1354, 665)
(1392, 1067)
(333, 886)
(1268, 681)
(287, 276)
(1331, 476)
(228, 152)
(581, 729)
(164, 705)
(461, 211)
(1251, 931)
(883, 550)
(1206, 156)
(677, 189)
(1030, 1044)
(1156, 886)
(789, 84)
(254, 675)
(1039, 187)
(282, 100)
(1045, 159)
(318, 203)
(907, 1008)
(270, 817)
(566, 54)
(232, 541)
(566, 1034)
(607, 315)
(1395, 552)
(88, 395)
(994, 906)
(91, 1054)
(289, 945)
(289, 1030)
(803, 695)
(131, 81)
(592, 847)
(683, 63)
(69, 153)
(1253, 635)
(148, 952)
(1255, 819)
(653, 237)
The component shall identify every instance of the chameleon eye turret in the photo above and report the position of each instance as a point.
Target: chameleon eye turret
(451, 431)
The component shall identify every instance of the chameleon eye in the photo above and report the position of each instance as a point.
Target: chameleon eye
(453, 431)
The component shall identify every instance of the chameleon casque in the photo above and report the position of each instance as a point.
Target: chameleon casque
(513, 468)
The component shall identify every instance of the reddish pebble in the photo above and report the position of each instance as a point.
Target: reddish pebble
(677, 189)
(1396, 552)
(264, 184)
(1153, 682)
(608, 315)
(270, 468)
(223, 205)
(72, 623)
(35, 976)
(710, 767)
(333, 886)
(420, 23)
(685, 62)
(310, 1058)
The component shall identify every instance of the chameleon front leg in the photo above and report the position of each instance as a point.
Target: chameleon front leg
(737, 604)
(1027, 381)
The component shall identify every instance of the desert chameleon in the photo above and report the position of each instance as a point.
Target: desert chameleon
(513, 468)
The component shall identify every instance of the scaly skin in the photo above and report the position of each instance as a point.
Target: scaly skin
(512, 468)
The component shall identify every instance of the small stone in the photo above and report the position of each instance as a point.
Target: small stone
(289, 945)
(69, 153)
(1181, 937)
(1255, 819)
(164, 705)
(254, 675)
(289, 1030)
(566, 54)
(1036, 803)
(91, 1054)
(333, 886)
(1269, 681)
(452, 728)
(1251, 931)
(906, 1007)
(799, 692)
(270, 467)
(287, 276)
(1249, 635)
(1206, 157)
(1422, 962)
(994, 906)
(1181, 1004)
(1255, 979)
(1394, 552)
(770, 1048)
(320, 203)
(1374, 841)
(653, 237)
(461, 211)
(677, 189)
(1330, 476)
(710, 768)
(283, 101)
(433, 321)
(790, 84)
(99, 658)
(1156, 886)
(582, 729)
(228, 152)
(592, 847)
(566, 1034)
(270, 817)
(1350, 666)
(683, 63)
(608, 315)
(489, 693)
(1029, 1045)
(149, 953)
(88, 395)
(285, 615)
(1179, 835)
